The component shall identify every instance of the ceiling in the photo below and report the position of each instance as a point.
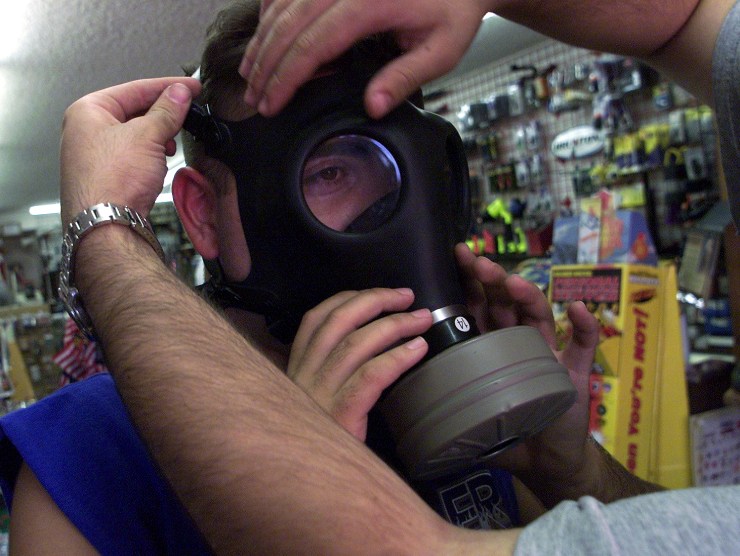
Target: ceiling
(59, 50)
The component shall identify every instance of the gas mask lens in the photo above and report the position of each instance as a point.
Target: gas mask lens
(351, 183)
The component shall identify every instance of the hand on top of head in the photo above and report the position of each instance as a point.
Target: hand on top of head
(296, 37)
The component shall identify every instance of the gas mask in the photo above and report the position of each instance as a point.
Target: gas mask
(331, 200)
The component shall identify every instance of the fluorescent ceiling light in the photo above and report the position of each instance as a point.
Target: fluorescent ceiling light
(164, 197)
(40, 210)
(174, 163)
(54, 208)
(14, 25)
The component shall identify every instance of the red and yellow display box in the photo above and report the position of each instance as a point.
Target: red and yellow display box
(636, 349)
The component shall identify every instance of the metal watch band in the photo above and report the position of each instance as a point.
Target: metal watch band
(90, 218)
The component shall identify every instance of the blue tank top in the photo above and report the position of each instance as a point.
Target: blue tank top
(86, 453)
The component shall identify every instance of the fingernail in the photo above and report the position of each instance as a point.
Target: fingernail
(516, 278)
(249, 97)
(416, 344)
(263, 106)
(179, 93)
(405, 291)
(244, 68)
(421, 313)
(379, 104)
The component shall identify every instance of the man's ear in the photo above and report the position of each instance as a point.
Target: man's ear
(196, 203)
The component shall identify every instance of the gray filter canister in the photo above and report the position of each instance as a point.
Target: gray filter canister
(475, 399)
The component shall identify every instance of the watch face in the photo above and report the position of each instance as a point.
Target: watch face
(69, 296)
(73, 304)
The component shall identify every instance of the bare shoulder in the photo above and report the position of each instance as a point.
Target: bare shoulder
(38, 526)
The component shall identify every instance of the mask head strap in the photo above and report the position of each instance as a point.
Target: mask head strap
(205, 127)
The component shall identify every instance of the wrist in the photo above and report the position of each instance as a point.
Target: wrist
(565, 480)
(80, 229)
(613, 481)
(589, 479)
(107, 251)
(599, 475)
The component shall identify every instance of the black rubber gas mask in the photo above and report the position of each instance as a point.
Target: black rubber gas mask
(331, 200)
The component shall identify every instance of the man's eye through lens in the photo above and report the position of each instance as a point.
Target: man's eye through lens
(330, 174)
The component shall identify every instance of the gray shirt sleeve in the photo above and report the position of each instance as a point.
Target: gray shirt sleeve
(726, 92)
(691, 521)
(695, 521)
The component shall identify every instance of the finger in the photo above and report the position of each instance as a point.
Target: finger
(492, 277)
(166, 116)
(489, 292)
(532, 307)
(264, 5)
(579, 353)
(343, 319)
(358, 396)
(270, 10)
(465, 260)
(279, 28)
(132, 99)
(315, 318)
(407, 73)
(359, 347)
(477, 271)
(513, 300)
(330, 35)
(170, 149)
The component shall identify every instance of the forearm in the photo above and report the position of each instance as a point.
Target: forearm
(600, 476)
(674, 36)
(634, 27)
(258, 465)
(614, 481)
(687, 58)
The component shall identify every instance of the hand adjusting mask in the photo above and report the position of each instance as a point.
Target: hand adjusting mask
(331, 200)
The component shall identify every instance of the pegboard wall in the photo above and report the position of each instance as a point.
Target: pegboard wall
(557, 175)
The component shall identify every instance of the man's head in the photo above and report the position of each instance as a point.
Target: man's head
(205, 192)
(326, 198)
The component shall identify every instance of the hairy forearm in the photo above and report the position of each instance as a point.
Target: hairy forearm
(259, 466)
(600, 476)
(615, 481)
(675, 36)
(635, 27)
(687, 57)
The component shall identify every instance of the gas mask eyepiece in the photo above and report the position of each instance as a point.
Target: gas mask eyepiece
(351, 183)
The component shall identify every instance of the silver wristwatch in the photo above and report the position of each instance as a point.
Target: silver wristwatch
(87, 220)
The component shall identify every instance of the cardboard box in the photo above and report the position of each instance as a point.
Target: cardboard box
(589, 230)
(670, 460)
(715, 437)
(565, 240)
(625, 238)
(626, 406)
